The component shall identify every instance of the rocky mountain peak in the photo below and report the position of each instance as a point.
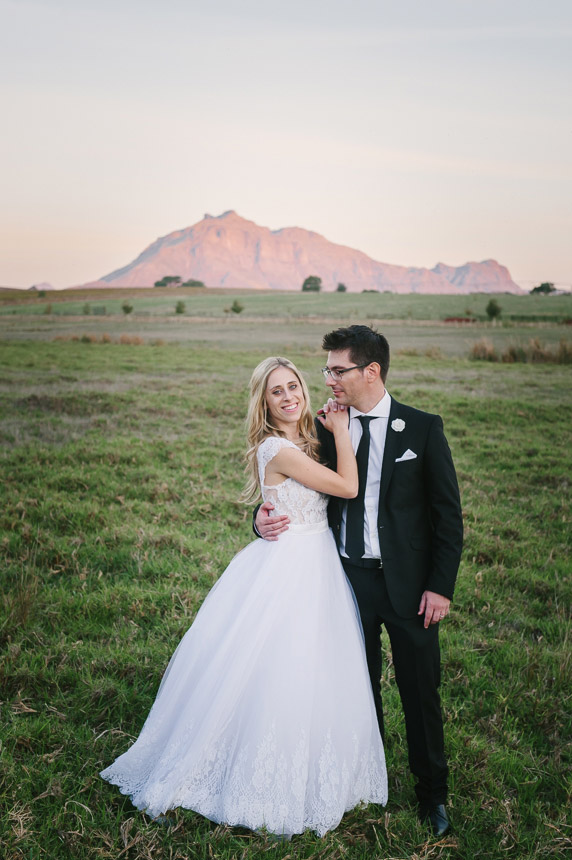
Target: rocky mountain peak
(229, 251)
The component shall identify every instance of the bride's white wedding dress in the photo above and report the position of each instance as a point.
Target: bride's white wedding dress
(265, 715)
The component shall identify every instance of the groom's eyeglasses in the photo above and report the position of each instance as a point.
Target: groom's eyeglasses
(336, 375)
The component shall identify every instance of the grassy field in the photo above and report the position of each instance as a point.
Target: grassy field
(213, 302)
(121, 467)
(295, 320)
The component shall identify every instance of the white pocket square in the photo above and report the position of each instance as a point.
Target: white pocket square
(409, 455)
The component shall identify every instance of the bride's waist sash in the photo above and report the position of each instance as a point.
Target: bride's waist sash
(308, 528)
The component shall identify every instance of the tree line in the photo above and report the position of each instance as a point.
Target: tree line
(313, 284)
(175, 281)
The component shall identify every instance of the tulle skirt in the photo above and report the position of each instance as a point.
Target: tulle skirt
(265, 716)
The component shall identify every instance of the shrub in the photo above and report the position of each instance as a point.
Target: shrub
(86, 309)
(168, 281)
(312, 284)
(48, 308)
(42, 294)
(483, 350)
(99, 311)
(543, 289)
(130, 340)
(341, 288)
(192, 283)
(106, 338)
(236, 307)
(180, 308)
(493, 309)
(126, 307)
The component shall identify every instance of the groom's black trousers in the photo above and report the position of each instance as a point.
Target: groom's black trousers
(416, 660)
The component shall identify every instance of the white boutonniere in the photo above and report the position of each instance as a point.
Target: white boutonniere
(398, 424)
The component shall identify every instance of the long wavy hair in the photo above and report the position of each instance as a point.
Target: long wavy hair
(259, 423)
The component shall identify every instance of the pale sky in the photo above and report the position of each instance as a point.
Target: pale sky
(416, 132)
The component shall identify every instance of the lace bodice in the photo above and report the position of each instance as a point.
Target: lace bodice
(302, 505)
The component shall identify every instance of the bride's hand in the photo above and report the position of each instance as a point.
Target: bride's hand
(334, 416)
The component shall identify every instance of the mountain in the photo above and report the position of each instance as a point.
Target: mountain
(229, 251)
(486, 277)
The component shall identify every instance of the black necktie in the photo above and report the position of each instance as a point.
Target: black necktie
(355, 518)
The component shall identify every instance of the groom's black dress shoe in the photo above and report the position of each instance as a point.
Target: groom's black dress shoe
(436, 815)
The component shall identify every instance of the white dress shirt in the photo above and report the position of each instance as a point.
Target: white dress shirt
(378, 432)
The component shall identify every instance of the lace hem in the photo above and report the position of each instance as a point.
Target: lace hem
(285, 794)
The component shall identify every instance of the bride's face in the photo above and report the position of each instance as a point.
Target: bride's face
(284, 397)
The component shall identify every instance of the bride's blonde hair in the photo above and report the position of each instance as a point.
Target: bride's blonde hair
(259, 423)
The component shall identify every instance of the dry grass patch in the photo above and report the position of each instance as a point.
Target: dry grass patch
(535, 352)
(123, 339)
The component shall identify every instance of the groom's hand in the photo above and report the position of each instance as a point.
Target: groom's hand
(267, 526)
(434, 606)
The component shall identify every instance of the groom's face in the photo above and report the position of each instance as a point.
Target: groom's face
(352, 386)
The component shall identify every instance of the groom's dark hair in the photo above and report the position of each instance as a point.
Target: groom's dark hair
(365, 345)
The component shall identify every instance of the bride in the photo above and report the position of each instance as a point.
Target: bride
(265, 716)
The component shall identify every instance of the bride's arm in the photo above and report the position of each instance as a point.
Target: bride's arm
(290, 463)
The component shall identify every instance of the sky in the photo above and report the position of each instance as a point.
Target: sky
(416, 132)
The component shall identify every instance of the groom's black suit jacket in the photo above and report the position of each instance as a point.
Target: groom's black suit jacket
(420, 522)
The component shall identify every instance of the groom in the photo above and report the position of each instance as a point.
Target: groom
(399, 540)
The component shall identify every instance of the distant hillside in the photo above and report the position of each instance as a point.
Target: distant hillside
(43, 286)
(229, 251)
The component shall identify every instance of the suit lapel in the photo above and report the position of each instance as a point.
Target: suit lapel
(390, 449)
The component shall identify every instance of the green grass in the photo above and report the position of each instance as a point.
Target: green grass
(414, 324)
(213, 302)
(121, 466)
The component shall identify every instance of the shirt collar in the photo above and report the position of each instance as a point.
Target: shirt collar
(380, 410)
